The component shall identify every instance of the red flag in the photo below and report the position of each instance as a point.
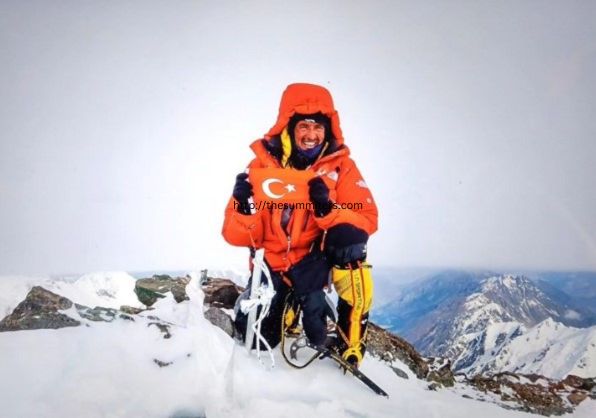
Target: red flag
(280, 185)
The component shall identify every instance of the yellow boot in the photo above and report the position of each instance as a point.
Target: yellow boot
(354, 287)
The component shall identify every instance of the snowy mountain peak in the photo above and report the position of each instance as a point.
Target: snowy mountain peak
(520, 300)
(507, 283)
(475, 328)
(549, 323)
(550, 349)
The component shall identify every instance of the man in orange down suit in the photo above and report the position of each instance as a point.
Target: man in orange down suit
(303, 245)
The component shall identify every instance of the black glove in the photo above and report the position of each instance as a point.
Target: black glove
(318, 192)
(345, 245)
(242, 191)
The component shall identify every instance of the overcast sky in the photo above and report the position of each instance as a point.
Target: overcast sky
(124, 123)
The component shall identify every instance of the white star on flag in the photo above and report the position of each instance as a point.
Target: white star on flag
(290, 188)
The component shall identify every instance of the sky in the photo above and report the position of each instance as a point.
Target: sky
(123, 125)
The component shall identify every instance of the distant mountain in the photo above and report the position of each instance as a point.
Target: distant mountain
(504, 311)
(579, 287)
(418, 304)
(550, 349)
(472, 318)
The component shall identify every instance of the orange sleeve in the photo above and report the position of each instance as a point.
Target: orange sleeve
(352, 192)
(242, 230)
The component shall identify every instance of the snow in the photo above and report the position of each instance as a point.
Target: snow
(107, 289)
(550, 349)
(509, 282)
(108, 369)
(585, 409)
(13, 290)
(553, 350)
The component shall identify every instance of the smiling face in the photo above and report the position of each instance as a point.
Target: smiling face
(308, 134)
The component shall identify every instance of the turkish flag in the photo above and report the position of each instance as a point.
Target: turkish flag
(280, 185)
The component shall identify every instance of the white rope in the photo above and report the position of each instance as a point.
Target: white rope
(260, 296)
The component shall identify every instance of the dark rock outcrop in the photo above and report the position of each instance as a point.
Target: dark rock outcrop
(131, 310)
(220, 293)
(39, 310)
(220, 319)
(440, 371)
(97, 314)
(534, 393)
(149, 290)
(388, 347)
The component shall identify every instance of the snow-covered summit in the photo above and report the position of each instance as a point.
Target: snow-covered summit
(519, 299)
(171, 362)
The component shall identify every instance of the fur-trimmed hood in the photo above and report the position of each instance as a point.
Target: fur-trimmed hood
(306, 99)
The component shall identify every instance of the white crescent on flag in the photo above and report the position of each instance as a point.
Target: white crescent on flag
(266, 188)
(266, 185)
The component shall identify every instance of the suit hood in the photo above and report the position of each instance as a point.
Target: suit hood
(306, 99)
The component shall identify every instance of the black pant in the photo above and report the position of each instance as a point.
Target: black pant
(314, 313)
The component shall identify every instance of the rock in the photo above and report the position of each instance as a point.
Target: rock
(546, 399)
(164, 328)
(220, 293)
(388, 346)
(399, 372)
(39, 310)
(150, 289)
(577, 397)
(220, 319)
(204, 278)
(131, 310)
(97, 314)
(162, 363)
(573, 381)
(579, 382)
(440, 371)
(433, 386)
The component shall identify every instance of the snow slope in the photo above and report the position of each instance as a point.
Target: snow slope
(108, 370)
(550, 349)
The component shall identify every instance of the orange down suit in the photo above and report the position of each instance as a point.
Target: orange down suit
(263, 229)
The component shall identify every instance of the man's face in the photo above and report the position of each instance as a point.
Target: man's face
(308, 134)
